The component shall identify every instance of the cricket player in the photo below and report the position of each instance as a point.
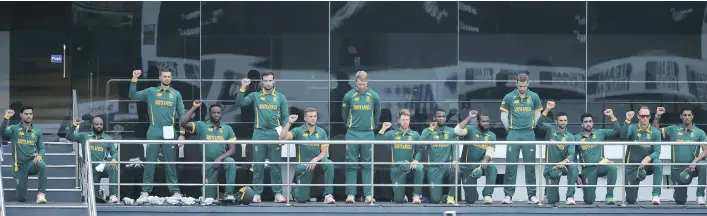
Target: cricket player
(520, 110)
(477, 153)
(405, 157)
(681, 174)
(316, 154)
(440, 153)
(28, 152)
(558, 157)
(213, 129)
(360, 110)
(99, 152)
(271, 111)
(165, 104)
(644, 154)
(591, 153)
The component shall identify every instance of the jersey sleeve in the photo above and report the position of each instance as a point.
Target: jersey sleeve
(296, 133)
(668, 131)
(197, 126)
(537, 104)
(230, 135)
(506, 104)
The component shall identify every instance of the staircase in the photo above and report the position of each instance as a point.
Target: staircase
(61, 175)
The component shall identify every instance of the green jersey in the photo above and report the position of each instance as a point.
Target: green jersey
(99, 151)
(164, 105)
(591, 153)
(636, 153)
(26, 143)
(307, 152)
(208, 131)
(680, 133)
(560, 152)
(521, 111)
(403, 152)
(440, 152)
(477, 152)
(271, 109)
(361, 110)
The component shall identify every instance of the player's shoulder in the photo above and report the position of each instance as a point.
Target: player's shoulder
(37, 130)
(279, 94)
(321, 130)
(655, 129)
(227, 127)
(372, 92)
(414, 133)
(107, 137)
(491, 133)
(697, 129)
(350, 92)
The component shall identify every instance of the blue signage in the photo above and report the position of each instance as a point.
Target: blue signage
(57, 59)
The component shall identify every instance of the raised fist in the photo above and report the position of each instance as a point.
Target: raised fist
(473, 113)
(9, 113)
(433, 124)
(660, 111)
(137, 73)
(387, 125)
(245, 82)
(78, 122)
(196, 103)
(292, 118)
(630, 115)
(550, 105)
(608, 112)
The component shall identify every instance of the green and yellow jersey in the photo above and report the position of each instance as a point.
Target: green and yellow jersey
(521, 111)
(361, 110)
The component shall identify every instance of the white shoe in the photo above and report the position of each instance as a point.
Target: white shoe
(700, 200)
(230, 198)
(570, 201)
(143, 198)
(256, 199)
(329, 199)
(369, 199)
(656, 200)
(113, 199)
(533, 200)
(350, 199)
(416, 199)
(177, 195)
(41, 198)
(507, 200)
(279, 198)
(488, 200)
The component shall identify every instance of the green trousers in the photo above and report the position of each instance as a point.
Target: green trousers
(470, 193)
(358, 152)
(169, 151)
(212, 176)
(512, 157)
(273, 153)
(23, 171)
(304, 176)
(630, 179)
(108, 172)
(553, 193)
(591, 174)
(399, 174)
(436, 175)
(680, 193)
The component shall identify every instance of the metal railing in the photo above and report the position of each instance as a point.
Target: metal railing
(455, 163)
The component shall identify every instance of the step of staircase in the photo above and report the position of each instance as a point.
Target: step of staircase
(52, 170)
(49, 159)
(53, 147)
(52, 182)
(54, 195)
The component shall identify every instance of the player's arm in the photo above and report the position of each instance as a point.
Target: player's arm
(541, 122)
(421, 148)
(73, 136)
(655, 154)
(323, 150)
(345, 106)
(505, 107)
(244, 100)
(40, 144)
(627, 129)
(571, 151)
(231, 136)
(134, 93)
(461, 129)
(286, 133)
(537, 107)
(701, 137)
(113, 150)
(4, 129)
(490, 150)
(376, 108)
(184, 120)
(382, 134)
(284, 109)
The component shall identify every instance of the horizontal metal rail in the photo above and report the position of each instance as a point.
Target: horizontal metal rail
(419, 80)
(389, 185)
(387, 142)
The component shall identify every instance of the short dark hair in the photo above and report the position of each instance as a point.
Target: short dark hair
(26, 108)
(644, 107)
(309, 110)
(563, 114)
(267, 73)
(581, 119)
(440, 110)
(686, 109)
(522, 77)
(215, 105)
(163, 70)
(96, 117)
(478, 116)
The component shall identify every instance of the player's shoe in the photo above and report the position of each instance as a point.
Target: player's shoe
(507, 200)
(113, 199)
(177, 195)
(488, 200)
(369, 199)
(656, 200)
(229, 198)
(416, 199)
(450, 200)
(329, 199)
(350, 199)
(279, 198)
(610, 201)
(256, 199)
(533, 200)
(700, 200)
(41, 198)
(570, 201)
(143, 198)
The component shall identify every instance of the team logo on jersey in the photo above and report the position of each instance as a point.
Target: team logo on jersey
(564, 138)
(397, 138)
(692, 134)
(159, 94)
(638, 135)
(516, 101)
(316, 135)
(171, 95)
(410, 138)
(220, 130)
(357, 99)
(446, 136)
(33, 135)
(274, 99)
(436, 137)
(679, 133)
(368, 98)
(262, 98)
(306, 135)
(649, 136)
(22, 133)
(211, 129)
(584, 139)
(486, 138)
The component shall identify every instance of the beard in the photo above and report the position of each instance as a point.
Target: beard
(97, 131)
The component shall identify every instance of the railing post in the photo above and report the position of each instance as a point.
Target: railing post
(539, 177)
(623, 184)
(456, 173)
(203, 173)
(373, 147)
(288, 183)
(91, 193)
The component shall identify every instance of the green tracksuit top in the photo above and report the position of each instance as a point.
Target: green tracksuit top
(557, 153)
(271, 109)
(307, 152)
(636, 153)
(26, 143)
(206, 130)
(591, 153)
(99, 151)
(403, 152)
(477, 152)
(437, 153)
(165, 105)
(678, 133)
(521, 111)
(361, 110)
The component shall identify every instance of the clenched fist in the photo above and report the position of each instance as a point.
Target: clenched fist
(630, 115)
(608, 112)
(660, 111)
(433, 124)
(245, 82)
(137, 73)
(9, 113)
(78, 122)
(473, 113)
(293, 118)
(550, 105)
(387, 125)
(196, 103)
